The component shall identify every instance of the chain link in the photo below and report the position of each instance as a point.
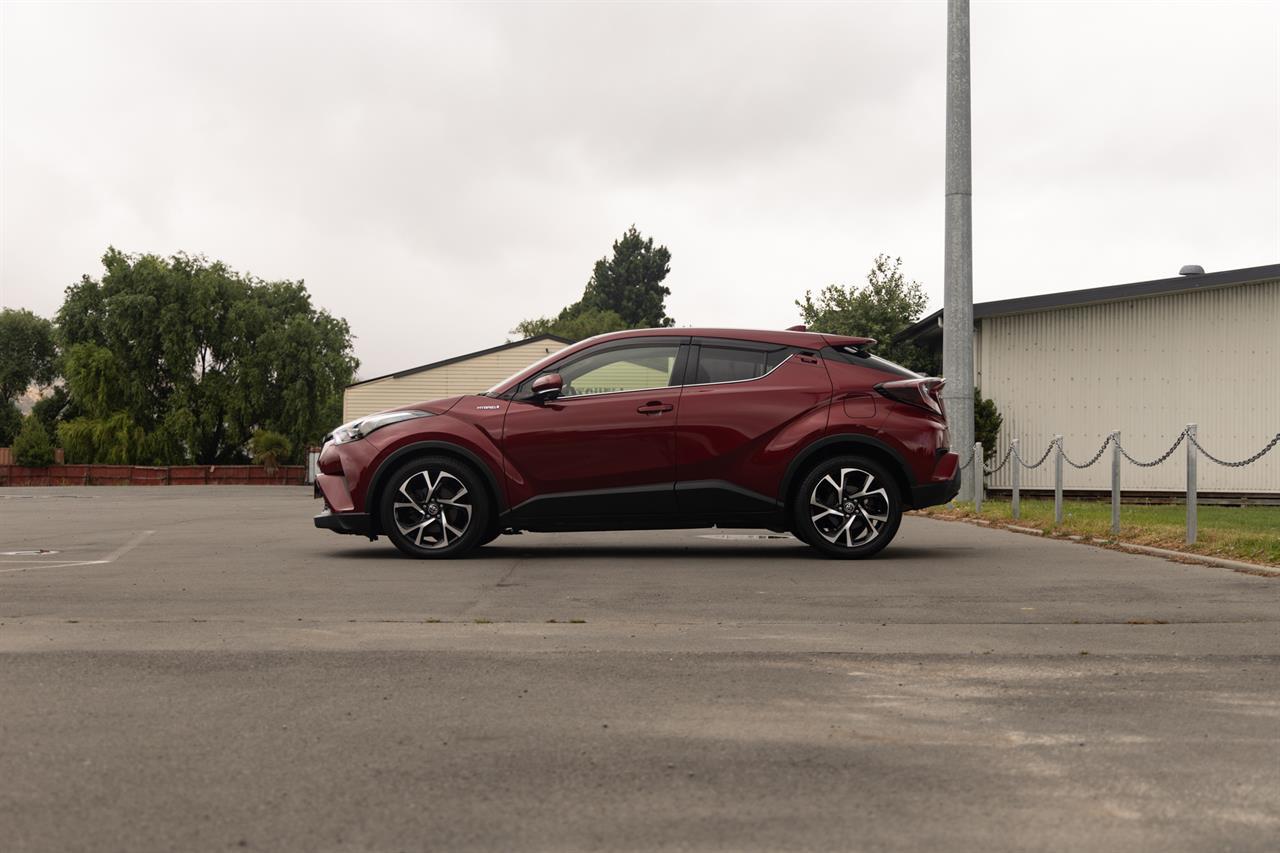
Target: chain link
(1047, 451)
(1095, 458)
(1008, 453)
(1012, 453)
(1243, 462)
(1181, 437)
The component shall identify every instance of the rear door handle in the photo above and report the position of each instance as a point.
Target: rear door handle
(654, 407)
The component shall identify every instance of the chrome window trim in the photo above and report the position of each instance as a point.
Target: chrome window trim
(614, 393)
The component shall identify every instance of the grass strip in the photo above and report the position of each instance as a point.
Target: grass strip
(1248, 533)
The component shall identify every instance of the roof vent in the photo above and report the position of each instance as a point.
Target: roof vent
(1191, 269)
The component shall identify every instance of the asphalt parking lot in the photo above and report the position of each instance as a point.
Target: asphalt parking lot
(200, 669)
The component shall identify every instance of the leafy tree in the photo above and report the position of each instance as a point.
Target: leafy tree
(52, 409)
(625, 291)
(986, 424)
(177, 359)
(269, 449)
(114, 440)
(10, 422)
(880, 309)
(32, 446)
(27, 352)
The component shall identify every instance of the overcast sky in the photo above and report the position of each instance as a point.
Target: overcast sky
(436, 173)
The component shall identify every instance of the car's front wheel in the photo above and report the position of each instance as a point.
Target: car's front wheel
(848, 507)
(435, 507)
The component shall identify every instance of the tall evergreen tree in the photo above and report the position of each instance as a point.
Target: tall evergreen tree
(625, 291)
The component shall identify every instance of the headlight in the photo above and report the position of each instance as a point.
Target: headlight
(356, 430)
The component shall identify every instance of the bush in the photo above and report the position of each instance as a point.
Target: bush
(270, 449)
(986, 424)
(32, 446)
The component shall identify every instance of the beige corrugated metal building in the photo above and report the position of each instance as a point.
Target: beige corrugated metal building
(1146, 359)
(464, 374)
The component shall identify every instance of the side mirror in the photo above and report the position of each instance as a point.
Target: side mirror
(547, 387)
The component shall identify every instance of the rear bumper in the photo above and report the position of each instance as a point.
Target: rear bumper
(932, 494)
(355, 523)
(942, 489)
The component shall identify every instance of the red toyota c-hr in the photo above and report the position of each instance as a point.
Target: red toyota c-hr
(654, 428)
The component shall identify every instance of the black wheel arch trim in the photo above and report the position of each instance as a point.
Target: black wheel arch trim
(419, 448)
(798, 464)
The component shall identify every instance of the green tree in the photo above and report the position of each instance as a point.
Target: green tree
(630, 283)
(987, 421)
(880, 309)
(573, 323)
(32, 446)
(52, 409)
(625, 291)
(10, 422)
(27, 352)
(178, 359)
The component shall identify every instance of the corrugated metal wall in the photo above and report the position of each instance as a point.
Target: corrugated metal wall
(462, 377)
(1146, 367)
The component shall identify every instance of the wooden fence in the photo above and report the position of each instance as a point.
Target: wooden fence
(143, 475)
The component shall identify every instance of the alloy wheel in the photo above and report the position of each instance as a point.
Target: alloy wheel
(433, 508)
(849, 508)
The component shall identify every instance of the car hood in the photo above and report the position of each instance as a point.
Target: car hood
(436, 407)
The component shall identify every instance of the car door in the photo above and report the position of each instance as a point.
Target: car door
(606, 446)
(745, 409)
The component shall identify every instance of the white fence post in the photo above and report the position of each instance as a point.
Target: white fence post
(1057, 481)
(1115, 482)
(1191, 484)
(1017, 480)
(978, 476)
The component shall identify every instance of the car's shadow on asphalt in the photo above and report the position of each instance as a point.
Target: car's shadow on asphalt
(700, 550)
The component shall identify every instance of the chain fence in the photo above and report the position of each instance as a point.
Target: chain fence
(1188, 435)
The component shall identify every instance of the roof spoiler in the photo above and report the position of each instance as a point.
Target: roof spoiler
(855, 344)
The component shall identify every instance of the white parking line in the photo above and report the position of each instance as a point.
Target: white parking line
(27, 565)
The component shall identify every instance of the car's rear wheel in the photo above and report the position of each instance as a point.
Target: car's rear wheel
(848, 507)
(435, 507)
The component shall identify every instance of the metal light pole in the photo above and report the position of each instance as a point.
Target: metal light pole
(957, 314)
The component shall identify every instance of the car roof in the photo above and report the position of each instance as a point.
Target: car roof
(808, 340)
(788, 338)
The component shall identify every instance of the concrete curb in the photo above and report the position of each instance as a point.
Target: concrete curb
(1168, 553)
(1238, 565)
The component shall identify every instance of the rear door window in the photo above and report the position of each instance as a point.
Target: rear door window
(732, 364)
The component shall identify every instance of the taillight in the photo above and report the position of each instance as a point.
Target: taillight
(925, 392)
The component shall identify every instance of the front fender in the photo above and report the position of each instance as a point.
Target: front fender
(368, 467)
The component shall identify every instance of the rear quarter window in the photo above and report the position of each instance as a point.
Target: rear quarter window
(862, 358)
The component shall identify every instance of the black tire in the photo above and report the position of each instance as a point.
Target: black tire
(852, 522)
(435, 507)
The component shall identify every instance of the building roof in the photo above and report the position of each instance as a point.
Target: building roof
(509, 345)
(931, 324)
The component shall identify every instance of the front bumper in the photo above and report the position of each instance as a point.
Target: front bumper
(355, 523)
